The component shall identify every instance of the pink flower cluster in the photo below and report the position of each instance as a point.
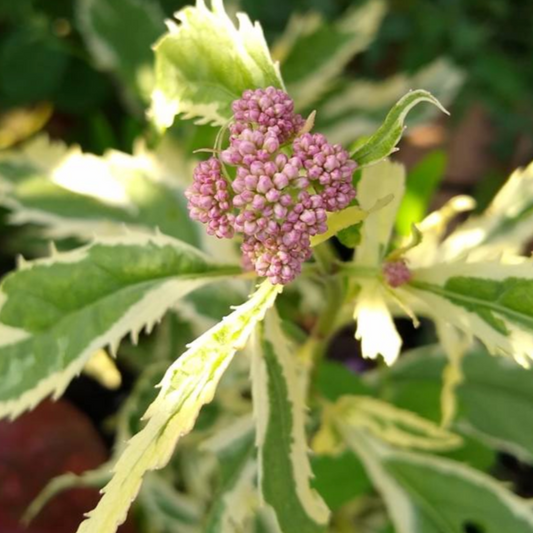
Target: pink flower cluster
(283, 185)
(396, 273)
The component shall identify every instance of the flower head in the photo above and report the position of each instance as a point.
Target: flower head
(284, 185)
(396, 273)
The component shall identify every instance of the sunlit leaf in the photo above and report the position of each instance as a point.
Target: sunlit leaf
(375, 325)
(384, 180)
(505, 226)
(75, 194)
(205, 62)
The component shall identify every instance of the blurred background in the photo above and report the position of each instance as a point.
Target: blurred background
(81, 72)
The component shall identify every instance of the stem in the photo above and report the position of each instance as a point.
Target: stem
(314, 350)
(358, 271)
(324, 327)
(325, 257)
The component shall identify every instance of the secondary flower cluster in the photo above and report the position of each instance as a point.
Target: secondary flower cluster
(396, 273)
(284, 183)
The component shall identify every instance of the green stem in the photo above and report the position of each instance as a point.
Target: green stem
(358, 271)
(325, 325)
(315, 348)
(325, 257)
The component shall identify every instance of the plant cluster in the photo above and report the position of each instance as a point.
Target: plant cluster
(235, 432)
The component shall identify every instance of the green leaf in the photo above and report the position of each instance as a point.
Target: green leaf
(334, 380)
(427, 494)
(340, 478)
(422, 182)
(492, 389)
(351, 236)
(119, 36)
(489, 300)
(205, 62)
(414, 383)
(56, 312)
(189, 383)
(32, 65)
(313, 59)
(384, 141)
(171, 336)
(76, 194)
(284, 469)
(505, 226)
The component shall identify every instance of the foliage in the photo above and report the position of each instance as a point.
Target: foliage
(245, 390)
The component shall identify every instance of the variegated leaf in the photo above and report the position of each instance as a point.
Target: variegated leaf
(56, 312)
(490, 389)
(284, 468)
(505, 226)
(312, 60)
(455, 344)
(383, 142)
(375, 327)
(75, 194)
(395, 426)
(188, 384)
(433, 229)
(428, 494)
(490, 300)
(205, 62)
